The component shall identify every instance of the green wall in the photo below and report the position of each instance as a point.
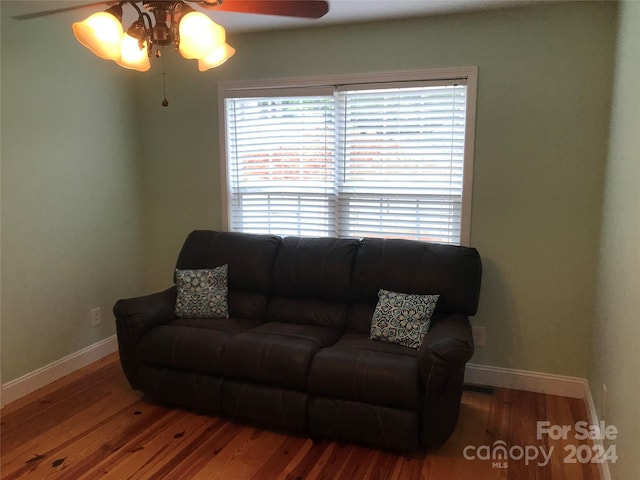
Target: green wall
(544, 93)
(616, 332)
(100, 183)
(71, 212)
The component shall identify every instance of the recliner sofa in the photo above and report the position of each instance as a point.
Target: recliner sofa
(295, 353)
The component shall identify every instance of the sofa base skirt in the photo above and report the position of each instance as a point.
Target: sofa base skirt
(378, 426)
(178, 387)
(272, 406)
(297, 412)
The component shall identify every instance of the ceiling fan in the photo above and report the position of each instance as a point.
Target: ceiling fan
(285, 8)
(174, 23)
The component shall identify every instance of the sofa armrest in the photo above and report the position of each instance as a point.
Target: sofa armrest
(135, 317)
(138, 315)
(447, 347)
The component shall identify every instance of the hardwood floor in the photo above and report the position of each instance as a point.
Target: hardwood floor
(91, 425)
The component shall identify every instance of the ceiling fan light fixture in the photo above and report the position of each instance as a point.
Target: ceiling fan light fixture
(173, 23)
(216, 58)
(101, 33)
(199, 35)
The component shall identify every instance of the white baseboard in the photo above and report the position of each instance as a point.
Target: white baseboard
(593, 418)
(43, 376)
(549, 384)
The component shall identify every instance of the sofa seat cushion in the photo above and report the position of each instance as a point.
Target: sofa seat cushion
(193, 344)
(367, 371)
(275, 353)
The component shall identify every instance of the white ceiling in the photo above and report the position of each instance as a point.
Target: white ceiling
(350, 11)
(340, 11)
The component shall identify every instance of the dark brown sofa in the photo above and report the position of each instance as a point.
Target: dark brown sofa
(295, 351)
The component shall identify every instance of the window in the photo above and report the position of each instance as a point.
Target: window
(390, 156)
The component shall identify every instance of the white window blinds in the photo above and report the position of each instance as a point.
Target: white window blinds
(359, 160)
(281, 165)
(402, 160)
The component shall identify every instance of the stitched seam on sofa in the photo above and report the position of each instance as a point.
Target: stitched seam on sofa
(366, 375)
(355, 375)
(322, 267)
(382, 282)
(335, 416)
(240, 397)
(441, 355)
(299, 337)
(200, 327)
(211, 249)
(194, 381)
(364, 348)
(265, 376)
(242, 248)
(284, 416)
(139, 325)
(424, 255)
(384, 434)
(429, 378)
(295, 250)
(174, 348)
(159, 384)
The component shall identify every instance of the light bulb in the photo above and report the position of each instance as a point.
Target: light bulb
(101, 33)
(216, 58)
(199, 35)
(132, 56)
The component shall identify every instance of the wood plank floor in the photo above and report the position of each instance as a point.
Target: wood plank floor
(91, 425)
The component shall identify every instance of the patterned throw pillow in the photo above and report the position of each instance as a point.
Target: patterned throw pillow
(402, 318)
(202, 293)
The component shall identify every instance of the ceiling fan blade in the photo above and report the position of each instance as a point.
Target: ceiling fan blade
(285, 8)
(44, 13)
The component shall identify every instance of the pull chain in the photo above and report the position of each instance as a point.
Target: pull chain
(165, 102)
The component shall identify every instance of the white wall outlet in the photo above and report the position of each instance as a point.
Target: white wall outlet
(479, 336)
(96, 316)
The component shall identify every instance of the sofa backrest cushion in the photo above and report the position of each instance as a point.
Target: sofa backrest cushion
(312, 281)
(410, 266)
(250, 261)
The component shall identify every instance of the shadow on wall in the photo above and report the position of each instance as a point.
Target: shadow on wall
(496, 312)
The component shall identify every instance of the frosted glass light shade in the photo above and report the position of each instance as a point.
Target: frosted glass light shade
(132, 56)
(199, 35)
(216, 58)
(101, 33)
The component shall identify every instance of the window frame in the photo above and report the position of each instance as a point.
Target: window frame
(288, 86)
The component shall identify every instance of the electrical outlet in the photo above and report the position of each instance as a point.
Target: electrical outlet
(479, 336)
(96, 316)
(603, 405)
